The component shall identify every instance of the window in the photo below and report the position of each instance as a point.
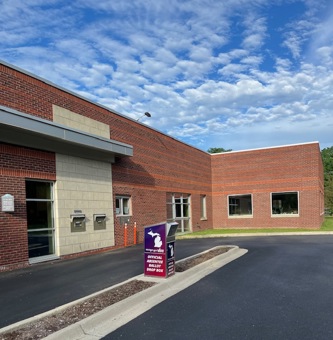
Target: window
(203, 209)
(285, 203)
(123, 205)
(178, 210)
(240, 205)
(39, 205)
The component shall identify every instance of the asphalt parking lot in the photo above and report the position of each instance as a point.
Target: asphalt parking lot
(280, 289)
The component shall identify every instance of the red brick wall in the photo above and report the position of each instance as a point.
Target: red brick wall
(13, 228)
(160, 164)
(261, 172)
(24, 93)
(17, 164)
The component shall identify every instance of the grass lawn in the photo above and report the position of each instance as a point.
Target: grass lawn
(326, 226)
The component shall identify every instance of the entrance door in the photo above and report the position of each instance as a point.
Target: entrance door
(178, 210)
(39, 200)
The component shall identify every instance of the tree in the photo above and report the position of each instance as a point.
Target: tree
(217, 150)
(327, 156)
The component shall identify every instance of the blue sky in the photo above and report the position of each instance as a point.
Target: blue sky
(237, 74)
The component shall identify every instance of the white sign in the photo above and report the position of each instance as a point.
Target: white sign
(7, 203)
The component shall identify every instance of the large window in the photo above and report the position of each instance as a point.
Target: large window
(240, 205)
(123, 205)
(178, 210)
(284, 203)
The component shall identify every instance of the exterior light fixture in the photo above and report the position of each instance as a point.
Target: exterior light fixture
(147, 114)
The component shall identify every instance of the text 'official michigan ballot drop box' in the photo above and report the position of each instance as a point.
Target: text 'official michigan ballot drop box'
(159, 254)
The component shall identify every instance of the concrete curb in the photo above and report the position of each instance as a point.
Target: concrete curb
(294, 233)
(109, 319)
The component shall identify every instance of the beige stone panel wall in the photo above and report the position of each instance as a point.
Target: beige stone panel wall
(84, 185)
(76, 121)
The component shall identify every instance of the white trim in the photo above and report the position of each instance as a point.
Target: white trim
(244, 215)
(45, 258)
(181, 219)
(121, 208)
(265, 148)
(284, 215)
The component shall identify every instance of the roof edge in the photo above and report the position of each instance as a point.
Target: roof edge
(266, 148)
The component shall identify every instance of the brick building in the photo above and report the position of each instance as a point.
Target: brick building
(73, 172)
(280, 187)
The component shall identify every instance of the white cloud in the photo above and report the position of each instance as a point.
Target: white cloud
(206, 70)
(293, 43)
(255, 33)
(200, 54)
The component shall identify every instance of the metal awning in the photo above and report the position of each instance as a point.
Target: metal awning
(26, 130)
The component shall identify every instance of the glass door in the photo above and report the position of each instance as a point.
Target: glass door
(178, 210)
(39, 201)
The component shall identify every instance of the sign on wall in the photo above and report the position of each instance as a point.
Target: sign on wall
(7, 203)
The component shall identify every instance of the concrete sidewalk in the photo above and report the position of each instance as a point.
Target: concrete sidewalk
(249, 234)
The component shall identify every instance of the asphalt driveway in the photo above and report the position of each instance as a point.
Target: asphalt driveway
(281, 289)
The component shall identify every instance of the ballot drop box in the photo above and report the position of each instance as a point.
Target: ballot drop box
(159, 255)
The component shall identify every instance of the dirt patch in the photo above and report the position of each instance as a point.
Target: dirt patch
(45, 326)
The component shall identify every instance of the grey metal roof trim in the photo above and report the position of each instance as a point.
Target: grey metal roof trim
(27, 130)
